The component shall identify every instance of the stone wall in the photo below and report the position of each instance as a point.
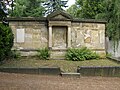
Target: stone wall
(35, 34)
(104, 71)
(58, 35)
(91, 35)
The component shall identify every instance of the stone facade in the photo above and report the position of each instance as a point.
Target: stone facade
(36, 35)
(59, 31)
(91, 35)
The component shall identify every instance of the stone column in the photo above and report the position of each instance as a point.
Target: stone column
(50, 37)
(69, 36)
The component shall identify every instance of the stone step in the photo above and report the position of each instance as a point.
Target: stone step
(57, 55)
(70, 75)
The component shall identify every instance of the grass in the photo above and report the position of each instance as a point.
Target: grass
(66, 66)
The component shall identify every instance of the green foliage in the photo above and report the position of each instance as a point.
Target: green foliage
(112, 15)
(53, 5)
(113, 18)
(35, 8)
(3, 12)
(81, 54)
(28, 8)
(73, 10)
(86, 8)
(14, 54)
(108, 10)
(2, 9)
(6, 41)
(43, 54)
(108, 55)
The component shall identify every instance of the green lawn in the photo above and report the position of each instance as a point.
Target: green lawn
(66, 66)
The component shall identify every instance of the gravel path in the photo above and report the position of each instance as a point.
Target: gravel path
(39, 82)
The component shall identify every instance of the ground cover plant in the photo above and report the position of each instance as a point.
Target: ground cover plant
(81, 54)
(43, 54)
(65, 65)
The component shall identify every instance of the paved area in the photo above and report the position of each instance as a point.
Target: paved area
(39, 82)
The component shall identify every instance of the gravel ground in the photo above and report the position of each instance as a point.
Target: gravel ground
(38, 82)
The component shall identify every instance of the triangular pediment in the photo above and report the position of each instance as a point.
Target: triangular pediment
(59, 15)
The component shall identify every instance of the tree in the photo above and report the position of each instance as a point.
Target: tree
(87, 8)
(6, 35)
(3, 12)
(28, 8)
(53, 5)
(112, 16)
(6, 41)
(101, 9)
(73, 10)
(35, 8)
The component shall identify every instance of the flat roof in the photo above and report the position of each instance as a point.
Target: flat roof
(44, 19)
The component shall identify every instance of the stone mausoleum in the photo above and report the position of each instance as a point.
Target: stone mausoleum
(58, 31)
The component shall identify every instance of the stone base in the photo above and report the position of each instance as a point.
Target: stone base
(70, 75)
(58, 55)
(29, 53)
(102, 54)
(31, 70)
(54, 54)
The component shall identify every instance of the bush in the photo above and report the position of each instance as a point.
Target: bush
(6, 41)
(43, 54)
(81, 54)
(14, 54)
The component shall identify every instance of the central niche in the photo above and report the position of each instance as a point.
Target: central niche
(59, 37)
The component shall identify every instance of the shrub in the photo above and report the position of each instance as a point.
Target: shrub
(43, 54)
(6, 41)
(81, 54)
(14, 54)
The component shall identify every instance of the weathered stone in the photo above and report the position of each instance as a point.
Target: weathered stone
(59, 37)
(102, 54)
(87, 36)
(59, 31)
(60, 17)
(61, 23)
(95, 37)
(49, 71)
(90, 25)
(77, 75)
(75, 24)
(77, 37)
(101, 27)
(57, 54)
(88, 40)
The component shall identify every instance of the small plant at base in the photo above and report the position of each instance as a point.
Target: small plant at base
(43, 54)
(81, 54)
(14, 54)
(108, 55)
